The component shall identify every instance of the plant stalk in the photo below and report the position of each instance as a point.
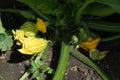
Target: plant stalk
(26, 74)
(81, 9)
(110, 38)
(64, 57)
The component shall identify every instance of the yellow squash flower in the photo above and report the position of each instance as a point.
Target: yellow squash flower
(41, 26)
(18, 35)
(32, 45)
(90, 43)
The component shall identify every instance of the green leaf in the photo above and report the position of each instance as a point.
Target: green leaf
(44, 9)
(44, 68)
(50, 71)
(27, 14)
(6, 43)
(34, 66)
(40, 6)
(2, 37)
(33, 5)
(97, 9)
(36, 73)
(115, 4)
(2, 29)
(39, 78)
(73, 1)
(82, 35)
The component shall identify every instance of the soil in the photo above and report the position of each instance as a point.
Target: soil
(13, 64)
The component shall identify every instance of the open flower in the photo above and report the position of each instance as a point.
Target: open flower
(18, 35)
(90, 43)
(41, 26)
(32, 45)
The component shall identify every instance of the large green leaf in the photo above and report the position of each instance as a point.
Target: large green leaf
(44, 6)
(112, 3)
(97, 9)
(40, 7)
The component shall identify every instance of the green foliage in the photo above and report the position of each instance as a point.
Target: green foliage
(2, 37)
(73, 1)
(72, 21)
(103, 25)
(40, 7)
(82, 35)
(27, 14)
(6, 44)
(97, 9)
(74, 39)
(6, 41)
(114, 4)
(2, 29)
(37, 68)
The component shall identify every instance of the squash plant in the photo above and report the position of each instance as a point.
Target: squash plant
(73, 24)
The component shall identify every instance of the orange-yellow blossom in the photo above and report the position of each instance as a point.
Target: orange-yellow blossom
(41, 25)
(90, 43)
(32, 45)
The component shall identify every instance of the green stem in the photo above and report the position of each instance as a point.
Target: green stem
(103, 26)
(9, 10)
(111, 38)
(81, 9)
(26, 74)
(89, 62)
(86, 28)
(24, 13)
(18, 11)
(64, 56)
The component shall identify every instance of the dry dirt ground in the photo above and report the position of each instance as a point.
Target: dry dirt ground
(12, 66)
